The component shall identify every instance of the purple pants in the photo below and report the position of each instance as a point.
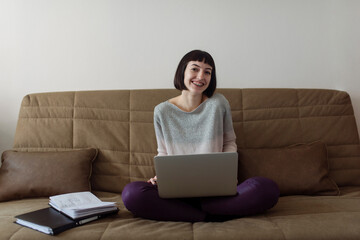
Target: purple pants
(255, 195)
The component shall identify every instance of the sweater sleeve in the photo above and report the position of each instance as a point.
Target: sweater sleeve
(161, 147)
(229, 144)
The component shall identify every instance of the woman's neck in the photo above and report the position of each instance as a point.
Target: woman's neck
(189, 102)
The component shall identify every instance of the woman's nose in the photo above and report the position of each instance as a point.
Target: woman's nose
(201, 75)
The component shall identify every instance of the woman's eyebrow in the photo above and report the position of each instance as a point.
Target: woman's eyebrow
(194, 64)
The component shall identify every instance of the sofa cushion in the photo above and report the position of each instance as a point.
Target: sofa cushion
(298, 170)
(42, 174)
(323, 217)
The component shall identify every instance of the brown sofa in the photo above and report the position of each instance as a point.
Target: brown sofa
(306, 139)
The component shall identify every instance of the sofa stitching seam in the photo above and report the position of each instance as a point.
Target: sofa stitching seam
(80, 147)
(129, 134)
(18, 230)
(276, 225)
(255, 120)
(299, 118)
(73, 122)
(135, 110)
(102, 235)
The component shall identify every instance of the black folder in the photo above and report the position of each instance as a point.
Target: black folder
(50, 221)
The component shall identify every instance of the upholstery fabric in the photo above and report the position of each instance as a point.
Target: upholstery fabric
(120, 124)
(43, 174)
(294, 217)
(298, 170)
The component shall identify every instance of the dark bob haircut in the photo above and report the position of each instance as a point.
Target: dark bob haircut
(195, 55)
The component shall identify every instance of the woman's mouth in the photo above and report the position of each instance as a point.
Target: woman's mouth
(198, 84)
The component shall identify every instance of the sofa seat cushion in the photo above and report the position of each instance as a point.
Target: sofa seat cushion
(294, 217)
(120, 226)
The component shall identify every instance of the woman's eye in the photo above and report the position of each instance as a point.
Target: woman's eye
(208, 73)
(194, 69)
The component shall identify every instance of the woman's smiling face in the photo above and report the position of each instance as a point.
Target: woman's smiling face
(197, 76)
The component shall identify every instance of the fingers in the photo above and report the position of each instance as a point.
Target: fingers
(152, 180)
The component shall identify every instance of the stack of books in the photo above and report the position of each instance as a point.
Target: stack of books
(67, 211)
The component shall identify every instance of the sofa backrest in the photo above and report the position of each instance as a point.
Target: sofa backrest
(120, 124)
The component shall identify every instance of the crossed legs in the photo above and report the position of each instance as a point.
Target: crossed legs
(255, 195)
(142, 199)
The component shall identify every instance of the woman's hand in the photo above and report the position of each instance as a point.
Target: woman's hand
(152, 180)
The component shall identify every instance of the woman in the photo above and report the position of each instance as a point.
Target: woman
(197, 121)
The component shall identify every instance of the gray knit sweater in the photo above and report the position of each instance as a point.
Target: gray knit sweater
(207, 129)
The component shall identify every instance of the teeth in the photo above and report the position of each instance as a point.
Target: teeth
(198, 84)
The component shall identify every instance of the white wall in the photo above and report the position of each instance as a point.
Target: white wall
(65, 45)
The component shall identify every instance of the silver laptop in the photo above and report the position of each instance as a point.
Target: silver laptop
(197, 175)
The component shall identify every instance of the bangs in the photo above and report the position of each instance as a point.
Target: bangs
(201, 56)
